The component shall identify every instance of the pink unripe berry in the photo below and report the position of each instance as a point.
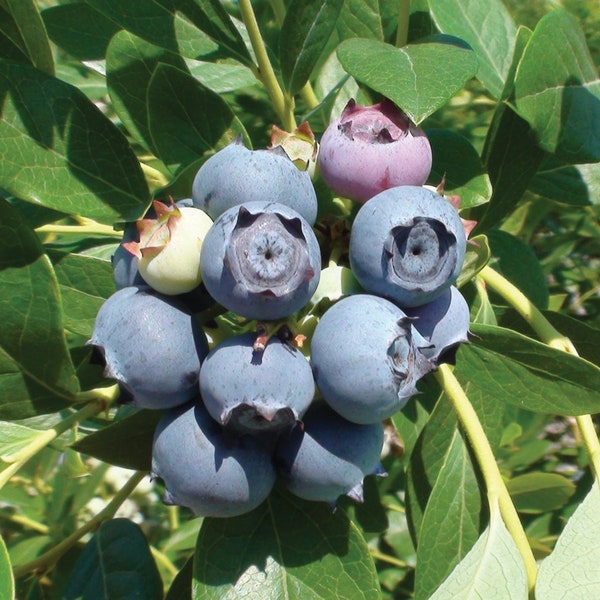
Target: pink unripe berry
(369, 149)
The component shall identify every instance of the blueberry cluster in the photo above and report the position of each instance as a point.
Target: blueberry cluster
(253, 406)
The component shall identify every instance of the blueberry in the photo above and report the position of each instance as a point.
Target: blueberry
(369, 149)
(151, 345)
(251, 391)
(261, 260)
(407, 244)
(236, 175)
(444, 323)
(204, 469)
(366, 358)
(329, 456)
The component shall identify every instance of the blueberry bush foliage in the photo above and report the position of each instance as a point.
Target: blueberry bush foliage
(492, 469)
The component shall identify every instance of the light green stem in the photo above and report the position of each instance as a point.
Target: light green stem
(282, 105)
(50, 558)
(496, 489)
(403, 19)
(26, 522)
(153, 176)
(92, 229)
(551, 337)
(44, 438)
(391, 560)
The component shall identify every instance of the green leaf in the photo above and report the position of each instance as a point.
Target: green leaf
(130, 63)
(537, 492)
(456, 160)
(125, 443)
(488, 28)
(418, 78)
(116, 563)
(572, 571)
(451, 521)
(222, 77)
(303, 37)
(79, 29)
(519, 264)
(36, 372)
(181, 132)
(184, 27)
(558, 92)
(24, 28)
(518, 370)
(7, 582)
(85, 283)
(293, 548)
(492, 569)
(13, 439)
(60, 150)
(476, 257)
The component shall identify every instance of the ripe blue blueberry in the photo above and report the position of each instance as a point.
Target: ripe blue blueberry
(367, 358)
(236, 175)
(329, 456)
(251, 391)
(407, 244)
(261, 260)
(151, 345)
(444, 323)
(211, 473)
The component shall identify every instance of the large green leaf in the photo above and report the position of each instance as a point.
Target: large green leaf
(7, 582)
(59, 150)
(518, 370)
(36, 372)
(418, 78)
(192, 29)
(21, 26)
(451, 522)
(116, 563)
(130, 63)
(488, 28)
(187, 119)
(557, 89)
(303, 37)
(286, 548)
(79, 29)
(572, 571)
(492, 569)
(537, 492)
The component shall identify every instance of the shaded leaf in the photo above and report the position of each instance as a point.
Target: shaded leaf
(477, 256)
(537, 492)
(492, 569)
(61, 151)
(180, 131)
(303, 37)
(572, 571)
(488, 28)
(418, 78)
(36, 372)
(294, 548)
(116, 563)
(558, 92)
(22, 27)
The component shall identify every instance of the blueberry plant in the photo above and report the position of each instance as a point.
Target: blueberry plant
(299, 299)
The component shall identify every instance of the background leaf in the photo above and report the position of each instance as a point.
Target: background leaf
(537, 492)
(488, 28)
(294, 548)
(418, 78)
(116, 563)
(36, 372)
(303, 37)
(61, 151)
(7, 582)
(558, 92)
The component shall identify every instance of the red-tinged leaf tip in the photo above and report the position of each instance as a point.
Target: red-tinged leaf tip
(133, 248)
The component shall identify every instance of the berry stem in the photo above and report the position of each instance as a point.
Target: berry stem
(50, 558)
(551, 337)
(264, 71)
(403, 19)
(497, 492)
(91, 228)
